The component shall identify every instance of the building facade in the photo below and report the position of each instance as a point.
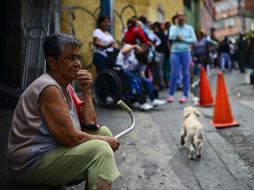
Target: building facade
(207, 15)
(233, 17)
(200, 14)
(191, 10)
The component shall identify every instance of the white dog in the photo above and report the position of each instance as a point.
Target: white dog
(192, 133)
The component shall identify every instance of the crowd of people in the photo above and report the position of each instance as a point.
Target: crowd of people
(237, 54)
(164, 61)
(173, 54)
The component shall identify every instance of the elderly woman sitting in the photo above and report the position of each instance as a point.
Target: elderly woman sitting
(46, 144)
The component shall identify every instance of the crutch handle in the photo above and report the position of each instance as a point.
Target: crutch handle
(124, 106)
(128, 110)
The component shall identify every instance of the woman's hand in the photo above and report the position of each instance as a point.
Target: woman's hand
(114, 143)
(137, 47)
(85, 80)
(179, 39)
(111, 44)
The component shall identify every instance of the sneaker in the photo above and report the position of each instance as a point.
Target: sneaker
(145, 107)
(157, 102)
(170, 99)
(109, 100)
(183, 100)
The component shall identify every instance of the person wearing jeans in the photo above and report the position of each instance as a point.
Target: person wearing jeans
(225, 59)
(180, 61)
(129, 60)
(182, 37)
(224, 51)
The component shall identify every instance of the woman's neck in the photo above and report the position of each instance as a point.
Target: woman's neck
(59, 80)
(103, 30)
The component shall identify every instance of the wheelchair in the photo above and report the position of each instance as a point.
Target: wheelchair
(111, 85)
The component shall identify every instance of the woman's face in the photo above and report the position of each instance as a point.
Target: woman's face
(69, 63)
(105, 24)
(199, 35)
(181, 20)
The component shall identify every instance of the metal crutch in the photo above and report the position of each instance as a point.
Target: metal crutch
(129, 111)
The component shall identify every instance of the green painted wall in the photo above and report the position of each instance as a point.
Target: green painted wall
(193, 14)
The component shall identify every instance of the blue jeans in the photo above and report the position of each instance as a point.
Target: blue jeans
(100, 62)
(180, 61)
(146, 83)
(225, 58)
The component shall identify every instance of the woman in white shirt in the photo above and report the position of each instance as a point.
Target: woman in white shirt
(103, 42)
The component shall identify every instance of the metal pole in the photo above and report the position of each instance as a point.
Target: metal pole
(56, 16)
(107, 10)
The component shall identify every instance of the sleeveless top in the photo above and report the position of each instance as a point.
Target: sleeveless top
(29, 139)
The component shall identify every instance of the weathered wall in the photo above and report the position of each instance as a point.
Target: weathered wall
(85, 23)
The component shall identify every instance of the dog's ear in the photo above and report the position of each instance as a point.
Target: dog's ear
(186, 113)
(197, 113)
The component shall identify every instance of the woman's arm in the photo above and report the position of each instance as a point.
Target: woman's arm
(56, 115)
(97, 43)
(192, 39)
(87, 109)
(172, 33)
(128, 47)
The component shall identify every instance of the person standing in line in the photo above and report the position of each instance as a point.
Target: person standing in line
(242, 45)
(179, 83)
(224, 52)
(161, 52)
(232, 53)
(135, 34)
(182, 37)
(201, 51)
(213, 52)
(103, 42)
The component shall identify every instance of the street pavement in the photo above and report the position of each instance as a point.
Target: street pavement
(151, 158)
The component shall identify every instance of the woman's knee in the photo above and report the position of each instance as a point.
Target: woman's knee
(104, 151)
(94, 147)
(175, 73)
(104, 131)
(139, 80)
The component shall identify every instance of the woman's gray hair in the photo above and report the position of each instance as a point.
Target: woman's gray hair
(54, 44)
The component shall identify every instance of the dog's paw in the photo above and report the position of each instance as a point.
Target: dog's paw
(198, 156)
(190, 157)
(182, 142)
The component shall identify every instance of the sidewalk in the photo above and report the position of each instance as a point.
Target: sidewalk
(150, 156)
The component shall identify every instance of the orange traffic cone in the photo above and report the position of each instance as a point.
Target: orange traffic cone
(205, 94)
(222, 116)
